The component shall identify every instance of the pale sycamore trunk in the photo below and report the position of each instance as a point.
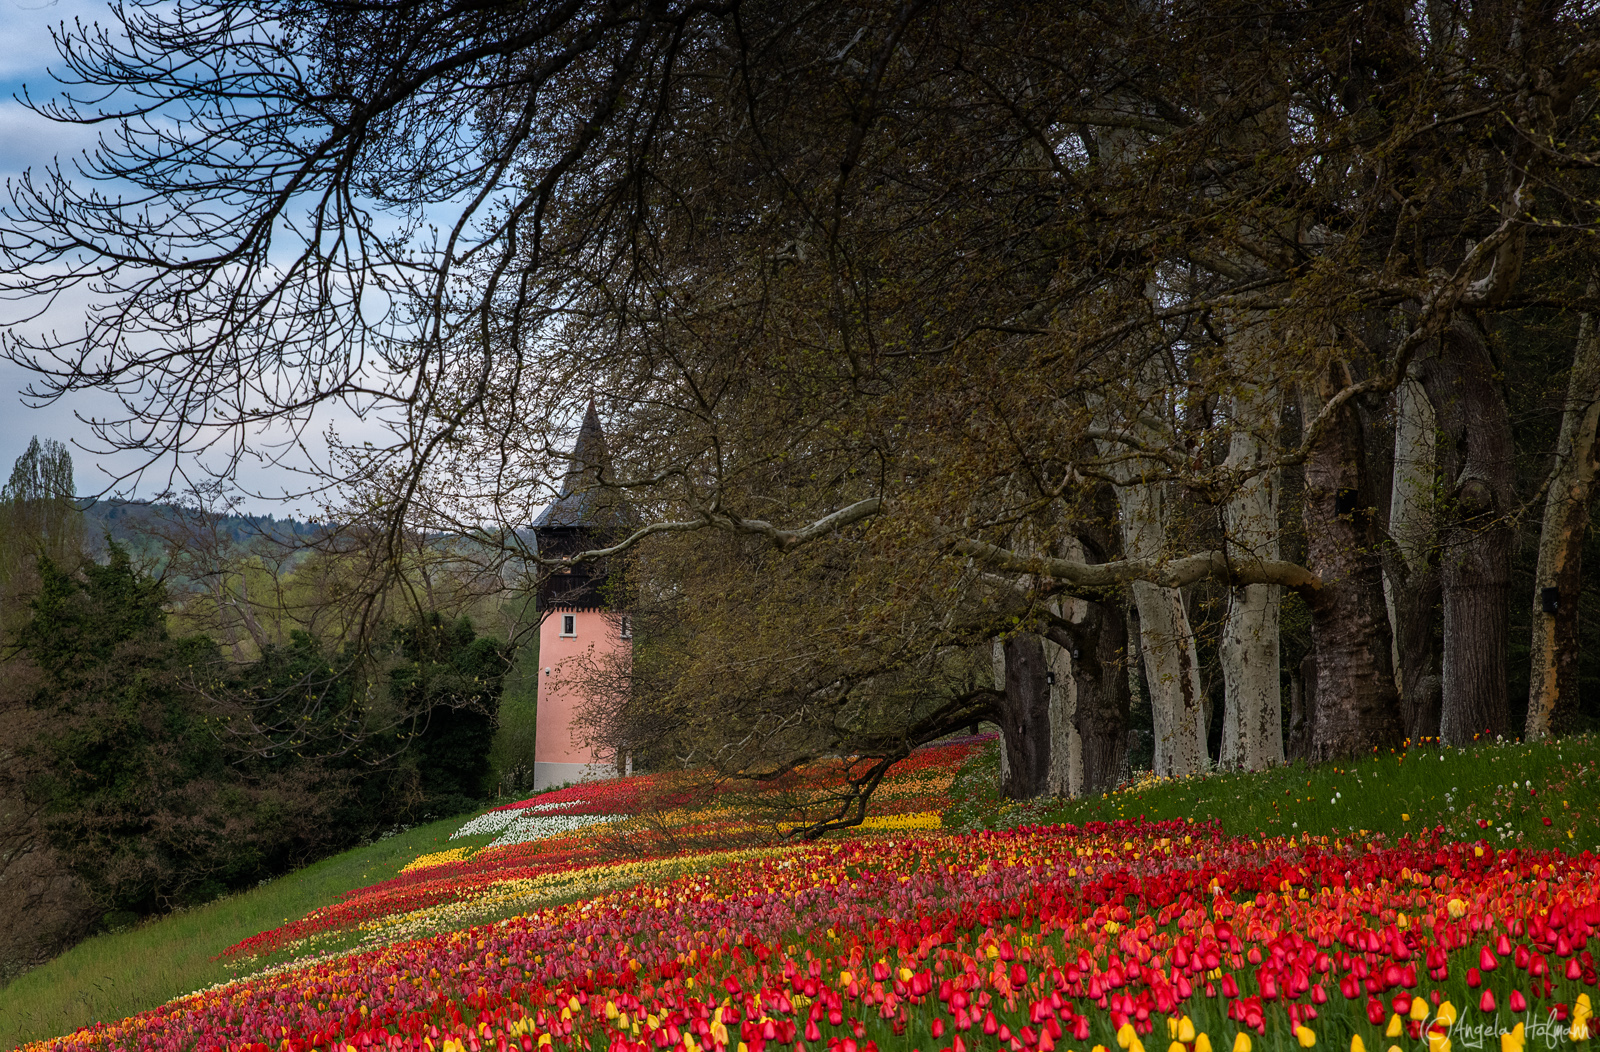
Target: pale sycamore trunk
(1411, 578)
(1252, 727)
(1553, 671)
(1166, 642)
(1066, 744)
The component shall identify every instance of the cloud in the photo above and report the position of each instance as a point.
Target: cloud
(25, 27)
(28, 140)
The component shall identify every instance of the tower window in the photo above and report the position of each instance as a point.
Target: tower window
(569, 624)
(626, 627)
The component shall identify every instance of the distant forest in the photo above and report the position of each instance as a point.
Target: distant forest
(192, 701)
(133, 523)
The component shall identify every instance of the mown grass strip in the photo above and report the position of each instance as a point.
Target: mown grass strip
(117, 974)
(1501, 792)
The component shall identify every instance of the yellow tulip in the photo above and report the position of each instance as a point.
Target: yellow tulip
(1202, 1043)
(1304, 1035)
(1242, 1042)
(1394, 1027)
(1186, 1030)
(1126, 1035)
(1419, 1010)
(1356, 1044)
(1447, 1013)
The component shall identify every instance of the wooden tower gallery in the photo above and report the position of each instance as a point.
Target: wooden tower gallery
(580, 630)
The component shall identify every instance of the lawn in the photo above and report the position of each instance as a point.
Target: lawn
(113, 975)
(1509, 794)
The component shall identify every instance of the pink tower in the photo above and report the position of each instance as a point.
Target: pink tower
(579, 628)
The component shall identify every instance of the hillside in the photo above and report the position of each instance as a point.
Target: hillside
(626, 850)
(140, 526)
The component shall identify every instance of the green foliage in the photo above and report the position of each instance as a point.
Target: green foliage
(512, 754)
(154, 795)
(81, 620)
(122, 972)
(39, 519)
(39, 514)
(140, 797)
(451, 677)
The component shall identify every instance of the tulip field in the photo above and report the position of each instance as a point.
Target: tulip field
(1124, 936)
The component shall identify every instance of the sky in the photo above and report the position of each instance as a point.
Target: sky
(30, 141)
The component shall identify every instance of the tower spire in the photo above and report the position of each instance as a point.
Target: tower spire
(580, 502)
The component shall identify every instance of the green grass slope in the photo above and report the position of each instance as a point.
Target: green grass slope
(1510, 794)
(118, 974)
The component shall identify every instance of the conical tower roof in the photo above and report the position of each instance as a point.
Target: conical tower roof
(583, 501)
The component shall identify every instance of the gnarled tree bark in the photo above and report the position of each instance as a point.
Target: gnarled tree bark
(1553, 668)
(1024, 716)
(1476, 535)
(1353, 704)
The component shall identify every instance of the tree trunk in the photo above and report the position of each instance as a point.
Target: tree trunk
(1353, 704)
(1302, 685)
(1025, 719)
(1166, 641)
(1099, 645)
(1475, 557)
(1252, 727)
(1172, 670)
(1066, 745)
(1553, 671)
(1411, 573)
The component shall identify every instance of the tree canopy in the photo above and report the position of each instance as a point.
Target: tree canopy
(986, 323)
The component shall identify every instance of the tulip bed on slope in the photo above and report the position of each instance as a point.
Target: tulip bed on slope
(1167, 936)
(589, 838)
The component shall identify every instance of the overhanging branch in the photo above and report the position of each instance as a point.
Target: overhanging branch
(1169, 573)
(784, 539)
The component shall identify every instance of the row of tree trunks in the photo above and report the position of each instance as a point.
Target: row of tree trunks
(1083, 714)
(1372, 676)
(1025, 727)
(1070, 736)
(1066, 744)
(1166, 642)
